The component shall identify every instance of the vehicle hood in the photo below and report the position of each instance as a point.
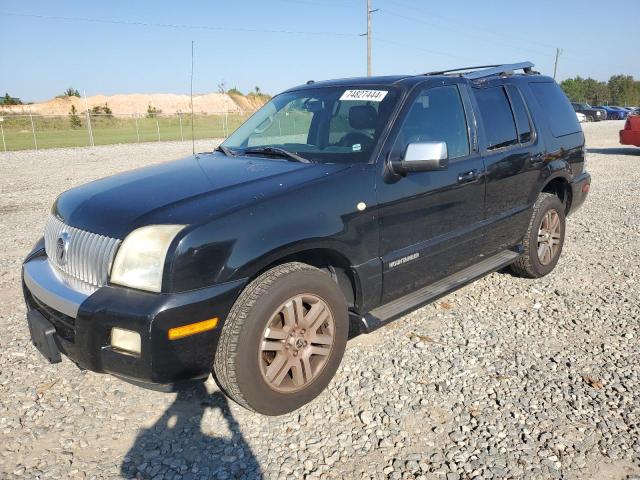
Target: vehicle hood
(188, 191)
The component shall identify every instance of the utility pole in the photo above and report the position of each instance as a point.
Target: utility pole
(368, 38)
(555, 67)
(368, 34)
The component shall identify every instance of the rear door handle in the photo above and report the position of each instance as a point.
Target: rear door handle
(469, 176)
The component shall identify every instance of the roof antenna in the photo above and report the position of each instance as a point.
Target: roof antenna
(193, 140)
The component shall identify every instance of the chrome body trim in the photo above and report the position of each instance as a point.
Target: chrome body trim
(54, 289)
(79, 254)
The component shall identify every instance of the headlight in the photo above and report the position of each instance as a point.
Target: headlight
(140, 259)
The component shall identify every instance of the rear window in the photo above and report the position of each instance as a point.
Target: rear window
(560, 115)
(495, 111)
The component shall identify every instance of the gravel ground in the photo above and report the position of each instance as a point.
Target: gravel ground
(506, 378)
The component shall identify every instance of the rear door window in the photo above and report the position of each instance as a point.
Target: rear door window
(560, 116)
(498, 121)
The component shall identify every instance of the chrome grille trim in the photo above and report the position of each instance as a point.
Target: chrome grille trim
(89, 255)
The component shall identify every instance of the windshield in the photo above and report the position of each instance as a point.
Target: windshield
(327, 125)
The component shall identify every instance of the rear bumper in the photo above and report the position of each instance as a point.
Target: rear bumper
(83, 321)
(579, 190)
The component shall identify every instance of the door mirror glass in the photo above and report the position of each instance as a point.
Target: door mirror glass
(423, 157)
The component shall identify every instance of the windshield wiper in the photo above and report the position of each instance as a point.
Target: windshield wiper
(280, 152)
(226, 150)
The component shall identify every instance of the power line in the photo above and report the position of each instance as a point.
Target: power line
(460, 31)
(323, 4)
(177, 26)
(414, 47)
(475, 26)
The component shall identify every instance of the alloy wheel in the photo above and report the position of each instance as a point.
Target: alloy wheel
(296, 343)
(549, 237)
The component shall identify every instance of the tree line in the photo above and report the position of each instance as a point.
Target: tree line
(621, 90)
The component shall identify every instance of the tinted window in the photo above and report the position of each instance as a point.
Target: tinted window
(520, 112)
(561, 117)
(437, 115)
(495, 111)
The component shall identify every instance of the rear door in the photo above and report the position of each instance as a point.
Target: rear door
(429, 219)
(513, 157)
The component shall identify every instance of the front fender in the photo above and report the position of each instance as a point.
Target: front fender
(322, 215)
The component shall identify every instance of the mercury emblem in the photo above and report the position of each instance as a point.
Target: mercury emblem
(62, 245)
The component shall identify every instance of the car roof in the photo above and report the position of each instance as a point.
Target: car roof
(400, 80)
(378, 81)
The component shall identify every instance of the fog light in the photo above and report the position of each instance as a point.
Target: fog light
(125, 340)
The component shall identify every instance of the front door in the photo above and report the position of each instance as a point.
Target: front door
(429, 219)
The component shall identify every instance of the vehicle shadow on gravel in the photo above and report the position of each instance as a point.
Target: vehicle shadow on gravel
(615, 151)
(177, 447)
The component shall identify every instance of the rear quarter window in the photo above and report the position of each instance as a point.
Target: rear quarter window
(561, 116)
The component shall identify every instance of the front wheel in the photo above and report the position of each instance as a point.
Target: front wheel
(283, 339)
(544, 238)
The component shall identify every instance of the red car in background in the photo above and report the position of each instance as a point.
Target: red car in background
(630, 135)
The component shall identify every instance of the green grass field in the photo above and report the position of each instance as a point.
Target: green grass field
(52, 132)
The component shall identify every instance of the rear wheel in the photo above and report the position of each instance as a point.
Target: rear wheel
(544, 239)
(283, 339)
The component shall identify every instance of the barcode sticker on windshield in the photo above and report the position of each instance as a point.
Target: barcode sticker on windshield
(367, 95)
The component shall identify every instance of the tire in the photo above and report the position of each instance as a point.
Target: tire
(531, 264)
(248, 364)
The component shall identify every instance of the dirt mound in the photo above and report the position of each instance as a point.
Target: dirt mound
(126, 104)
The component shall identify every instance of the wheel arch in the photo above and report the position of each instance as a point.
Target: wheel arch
(335, 263)
(559, 186)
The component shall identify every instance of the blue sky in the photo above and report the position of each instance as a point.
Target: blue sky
(279, 43)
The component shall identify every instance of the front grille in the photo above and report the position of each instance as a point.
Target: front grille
(64, 324)
(80, 254)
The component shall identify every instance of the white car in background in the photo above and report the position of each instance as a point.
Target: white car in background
(581, 117)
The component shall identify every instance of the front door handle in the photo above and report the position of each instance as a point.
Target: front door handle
(468, 176)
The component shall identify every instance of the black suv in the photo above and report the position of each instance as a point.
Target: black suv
(336, 208)
(592, 114)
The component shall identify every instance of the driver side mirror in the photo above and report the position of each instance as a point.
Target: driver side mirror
(422, 157)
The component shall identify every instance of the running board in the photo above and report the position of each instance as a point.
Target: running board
(384, 314)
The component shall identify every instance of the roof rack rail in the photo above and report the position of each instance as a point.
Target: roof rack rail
(474, 73)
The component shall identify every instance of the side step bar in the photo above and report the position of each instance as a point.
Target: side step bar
(384, 314)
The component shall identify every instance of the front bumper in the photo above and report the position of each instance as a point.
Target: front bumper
(83, 320)
(579, 189)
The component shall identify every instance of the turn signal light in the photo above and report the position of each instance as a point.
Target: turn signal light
(192, 328)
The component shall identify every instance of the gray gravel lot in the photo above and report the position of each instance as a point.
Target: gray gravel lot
(506, 378)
